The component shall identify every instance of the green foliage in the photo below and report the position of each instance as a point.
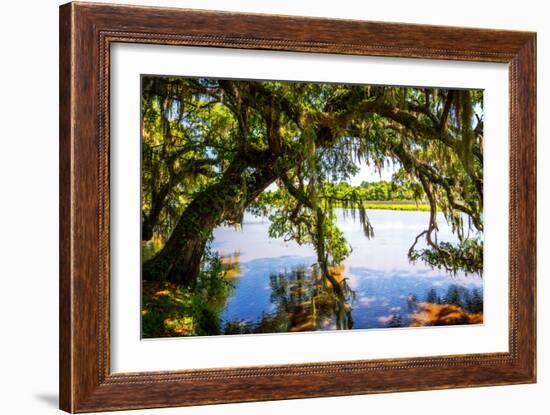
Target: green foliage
(466, 256)
(170, 309)
(224, 142)
(187, 137)
(376, 195)
(336, 245)
(165, 309)
(402, 190)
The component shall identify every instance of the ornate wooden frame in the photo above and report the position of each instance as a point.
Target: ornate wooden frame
(86, 33)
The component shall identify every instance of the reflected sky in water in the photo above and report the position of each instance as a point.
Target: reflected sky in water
(385, 283)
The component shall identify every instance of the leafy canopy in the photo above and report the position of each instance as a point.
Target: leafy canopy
(308, 139)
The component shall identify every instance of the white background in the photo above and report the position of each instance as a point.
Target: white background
(29, 208)
(129, 354)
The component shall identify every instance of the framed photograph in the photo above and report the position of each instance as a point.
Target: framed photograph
(259, 207)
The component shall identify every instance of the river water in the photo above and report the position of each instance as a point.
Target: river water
(276, 288)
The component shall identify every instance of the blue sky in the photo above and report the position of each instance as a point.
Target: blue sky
(370, 174)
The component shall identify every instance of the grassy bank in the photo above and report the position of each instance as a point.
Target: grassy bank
(171, 310)
(395, 205)
(167, 310)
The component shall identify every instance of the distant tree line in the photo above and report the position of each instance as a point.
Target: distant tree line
(367, 191)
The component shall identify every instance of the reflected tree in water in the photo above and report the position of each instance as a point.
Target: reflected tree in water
(458, 305)
(301, 302)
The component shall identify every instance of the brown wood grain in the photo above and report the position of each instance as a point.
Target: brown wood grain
(86, 33)
(65, 247)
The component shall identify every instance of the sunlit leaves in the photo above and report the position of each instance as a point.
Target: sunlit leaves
(309, 138)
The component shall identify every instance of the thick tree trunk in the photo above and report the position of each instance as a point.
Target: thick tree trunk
(147, 227)
(180, 259)
(150, 220)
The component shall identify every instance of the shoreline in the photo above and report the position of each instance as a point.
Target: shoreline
(394, 205)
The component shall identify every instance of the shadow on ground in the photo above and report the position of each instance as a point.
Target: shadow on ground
(49, 399)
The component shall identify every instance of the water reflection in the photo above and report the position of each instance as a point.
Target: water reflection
(300, 301)
(277, 288)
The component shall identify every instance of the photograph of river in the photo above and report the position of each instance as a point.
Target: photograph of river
(277, 207)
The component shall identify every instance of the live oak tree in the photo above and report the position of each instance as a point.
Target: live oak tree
(212, 147)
